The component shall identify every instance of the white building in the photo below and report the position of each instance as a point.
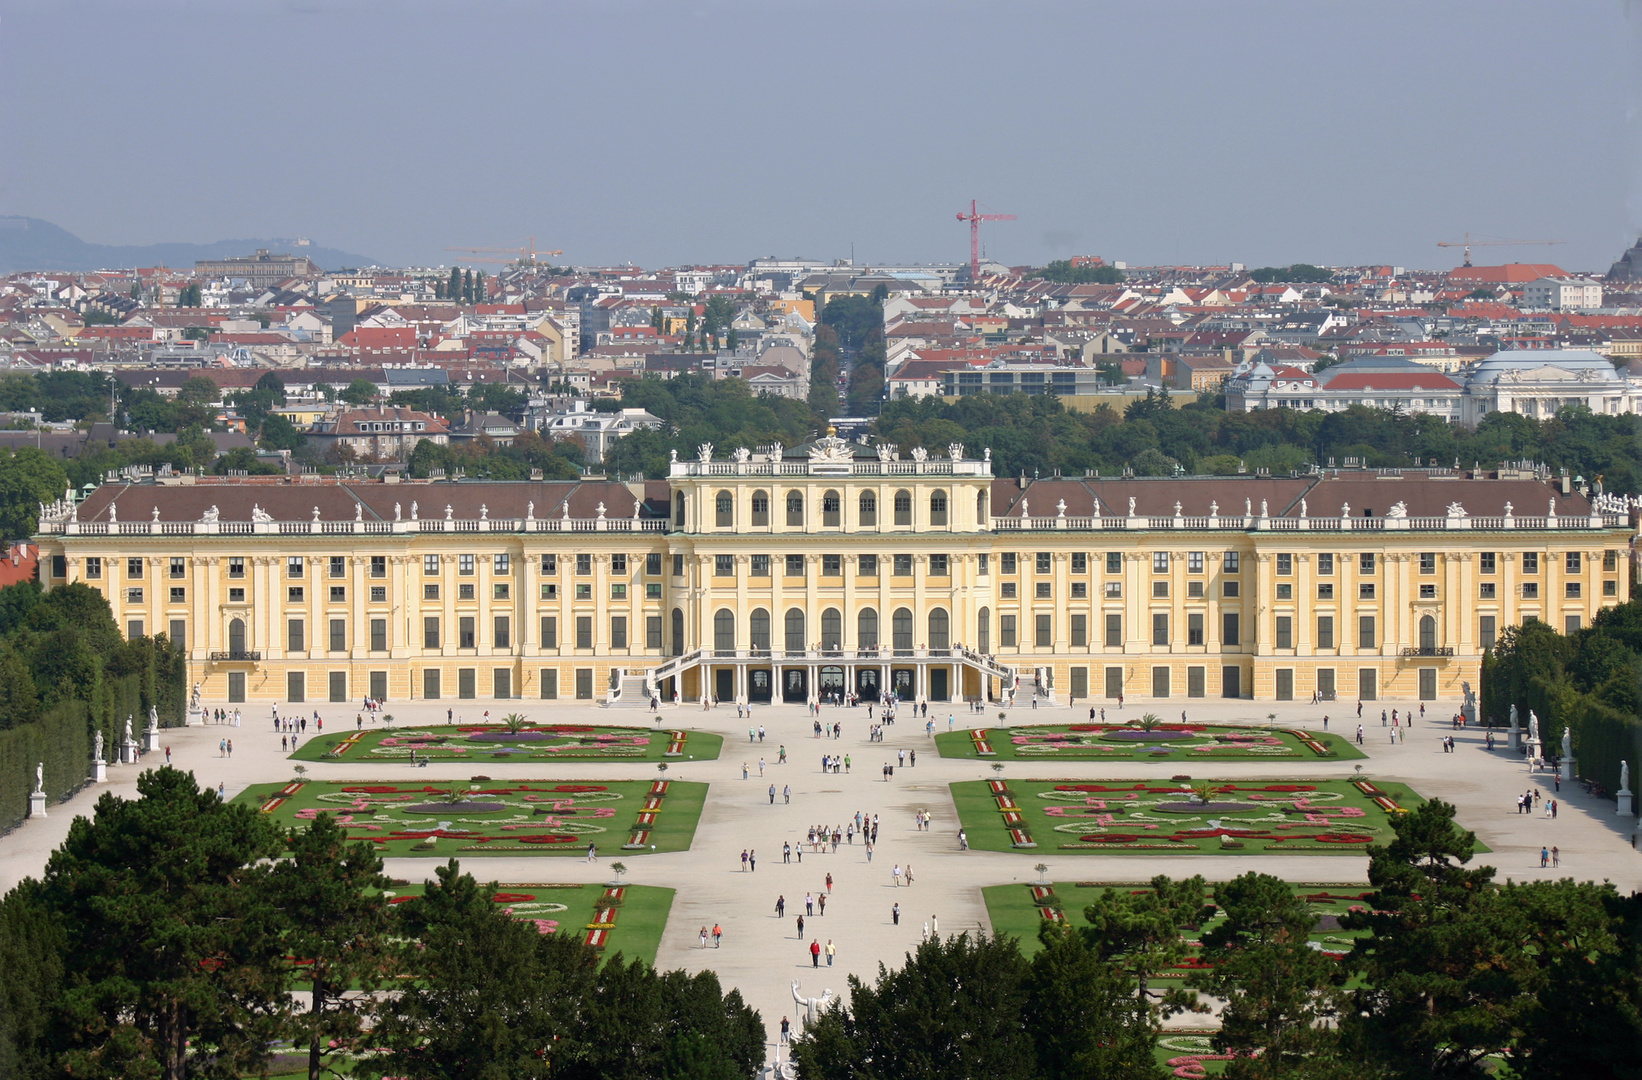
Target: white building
(596, 430)
(1563, 294)
(1376, 383)
(1541, 382)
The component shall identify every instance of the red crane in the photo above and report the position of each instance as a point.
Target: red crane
(975, 217)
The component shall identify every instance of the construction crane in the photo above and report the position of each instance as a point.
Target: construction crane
(1469, 243)
(975, 217)
(524, 255)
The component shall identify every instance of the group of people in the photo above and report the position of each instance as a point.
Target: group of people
(223, 716)
(832, 763)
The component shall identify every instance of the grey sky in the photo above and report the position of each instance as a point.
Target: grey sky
(666, 132)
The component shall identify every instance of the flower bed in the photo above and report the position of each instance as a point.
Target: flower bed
(1119, 742)
(496, 817)
(494, 742)
(625, 918)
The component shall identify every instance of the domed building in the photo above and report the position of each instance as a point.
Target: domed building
(1541, 382)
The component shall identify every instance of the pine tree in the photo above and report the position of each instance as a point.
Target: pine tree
(453, 290)
(467, 286)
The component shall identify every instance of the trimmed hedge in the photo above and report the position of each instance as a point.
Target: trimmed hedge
(62, 739)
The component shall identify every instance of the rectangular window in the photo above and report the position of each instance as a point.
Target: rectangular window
(1160, 682)
(1365, 590)
(1230, 589)
(652, 564)
(339, 685)
(983, 564)
(1160, 562)
(584, 591)
(379, 635)
(584, 564)
(1114, 562)
(1285, 563)
(1571, 590)
(1006, 631)
(430, 684)
(133, 596)
(724, 566)
(236, 567)
(652, 632)
(618, 564)
(1228, 628)
(550, 632)
(466, 636)
(1325, 590)
(1194, 562)
(678, 565)
(1530, 562)
(134, 569)
(1365, 563)
(430, 632)
(1113, 590)
(1080, 682)
(1194, 682)
(1285, 684)
(294, 566)
(1365, 631)
(431, 592)
(379, 566)
(339, 566)
(430, 565)
(1080, 562)
(134, 629)
(379, 594)
(1006, 562)
(550, 564)
(1080, 590)
(1231, 562)
(1043, 562)
(236, 596)
(938, 566)
(652, 590)
(294, 636)
(1428, 592)
(502, 627)
(1530, 590)
(902, 565)
(1194, 628)
(584, 684)
(179, 595)
(1428, 562)
(296, 686)
(59, 566)
(339, 594)
(1325, 631)
(795, 566)
(1045, 590)
(1160, 589)
(618, 631)
(339, 635)
(1325, 565)
(1160, 628)
(1487, 631)
(761, 566)
(1428, 684)
(179, 567)
(501, 682)
(1080, 631)
(832, 566)
(1114, 630)
(1114, 682)
(549, 678)
(1285, 631)
(1570, 562)
(501, 564)
(1610, 561)
(1285, 590)
(1610, 587)
(1007, 590)
(467, 683)
(1043, 635)
(1325, 683)
(584, 631)
(1485, 562)
(466, 564)
(179, 633)
(293, 594)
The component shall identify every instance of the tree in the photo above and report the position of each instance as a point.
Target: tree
(336, 919)
(453, 290)
(1280, 996)
(28, 477)
(953, 1009)
(1062, 270)
(1082, 1014)
(1143, 933)
(176, 957)
(19, 702)
(32, 974)
(278, 433)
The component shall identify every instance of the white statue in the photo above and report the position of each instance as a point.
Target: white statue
(398, 511)
(1248, 507)
(1302, 508)
(955, 451)
(39, 777)
(1553, 507)
(811, 1005)
(1345, 510)
(530, 510)
(113, 513)
(1097, 506)
(316, 513)
(212, 514)
(1131, 506)
(1214, 508)
(153, 719)
(886, 451)
(672, 456)
(413, 509)
(1624, 776)
(987, 457)
(1060, 508)
(1567, 743)
(1177, 508)
(601, 510)
(194, 699)
(1533, 727)
(705, 452)
(919, 454)
(359, 511)
(1508, 509)
(1514, 721)
(128, 727)
(1264, 508)
(97, 752)
(1455, 510)
(484, 511)
(449, 510)
(1398, 509)
(740, 455)
(259, 515)
(156, 516)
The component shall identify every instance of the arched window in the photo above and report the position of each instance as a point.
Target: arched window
(761, 508)
(759, 625)
(903, 508)
(1428, 632)
(678, 631)
(866, 629)
(831, 510)
(724, 630)
(940, 629)
(980, 506)
(795, 630)
(236, 636)
(678, 510)
(869, 508)
(937, 508)
(795, 508)
(724, 505)
(983, 630)
(832, 629)
(900, 625)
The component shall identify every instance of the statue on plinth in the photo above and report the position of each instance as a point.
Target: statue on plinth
(39, 777)
(1567, 743)
(97, 751)
(811, 1005)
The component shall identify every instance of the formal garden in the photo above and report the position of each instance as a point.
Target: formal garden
(495, 817)
(1181, 815)
(1146, 739)
(514, 739)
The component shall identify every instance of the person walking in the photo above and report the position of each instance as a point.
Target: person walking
(760, 767)
(1556, 857)
(743, 860)
(895, 914)
(752, 859)
(592, 853)
(869, 851)
(815, 954)
(772, 792)
(781, 907)
(809, 904)
(786, 851)
(703, 937)
(831, 950)
(896, 875)
(786, 793)
(829, 882)
(785, 1029)
(821, 901)
(744, 770)
(718, 935)
(909, 875)
(801, 928)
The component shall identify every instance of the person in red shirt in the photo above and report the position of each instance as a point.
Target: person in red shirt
(815, 953)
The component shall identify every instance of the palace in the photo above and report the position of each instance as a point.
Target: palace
(834, 566)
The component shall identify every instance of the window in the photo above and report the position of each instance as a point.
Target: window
(501, 564)
(940, 629)
(618, 631)
(939, 566)
(430, 684)
(1114, 590)
(1428, 634)
(464, 591)
(379, 635)
(502, 627)
(1114, 562)
(1365, 563)
(1006, 563)
(1428, 592)
(903, 508)
(1571, 624)
(179, 595)
(134, 569)
(1610, 561)
(832, 510)
(1080, 562)
(678, 565)
(937, 508)
(1194, 628)
(429, 592)
(1194, 562)
(983, 630)
(1285, 564)
(868, 505)
(1365, 590)
(1160, 589)
(1610, 587)
(550, 632)
(1486, 631)
(1194, 590)
(1285, 590)
(1080, 631)
(1044, 635)
(1325, 590)
(236, 596)
(795, 566)
(903, 565)
(1285, 684)
(339, 635)
(294, 566)
(652, 632)
(652, 590)
(179, 633)
(379, 566)
(761, 508)
(1160, 562)
(466, 683)
(339, 593)
(1428, 562)
(618, 564)
(1530, 590)
(1325, 631)
(1080, 590)
(1045, 590)
(1571, 590)
(584, 564)
(1114, 630)
(465, 564)
(465, 633)
(794, 629)
(236, 567)
(1160, 628)
(583, 592)
(294, 638)
(1530, 562)
(724, 566)
(832, 566)
(795, 508)
(1043, 562)
(179, 567)
(430, 564)
(1365, 631)
(1485, 562)
(1487, 590)
(549, 680)
(724, 510)
(1325, 565)
(293, 594)
(1006, 631)
(1570, 562)
(501, 682)
(430, 632)
(59, 566)
(133, 596)
(584, 684)
(652, 564)
(869, 565)
(1228, 628)
(760, 566)
(550, 564)
(1230, 561)
(866, 627)
(584, 631)
(296, 686)
(339, 566)
(1230, 589)
(1285, 632)
(550, 591)
(1007, 590)
(1160, 682)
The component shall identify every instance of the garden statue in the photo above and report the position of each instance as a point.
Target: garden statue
(40, 785)
(153, 718)
(97, 752)
(1567, 743)
(811, 1005)
(1624, 776)
(128, 727)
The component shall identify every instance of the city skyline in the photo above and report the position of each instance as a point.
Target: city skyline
(1190, 134)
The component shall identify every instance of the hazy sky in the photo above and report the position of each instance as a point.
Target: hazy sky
(717, 131)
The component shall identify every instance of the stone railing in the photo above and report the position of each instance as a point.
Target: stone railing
(350, 528)
(1289, 524)
(930, 467)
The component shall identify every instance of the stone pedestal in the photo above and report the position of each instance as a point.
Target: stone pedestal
(1568, 770)
(128, 752)
(37, 804)
(195, 718)
(1627, 803)
(151, 740)
(1516, 740)
(99, 772)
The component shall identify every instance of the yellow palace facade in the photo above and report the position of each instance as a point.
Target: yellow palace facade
(837, 567)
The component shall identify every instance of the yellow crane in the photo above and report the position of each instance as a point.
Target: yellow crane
(1469, 243)
(523, 255)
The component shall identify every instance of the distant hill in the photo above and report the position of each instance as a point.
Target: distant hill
(31, 244)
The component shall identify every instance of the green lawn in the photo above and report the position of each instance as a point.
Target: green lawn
(490, 743)
(1166, 744)
(1253, 817)
(1185, 1053)
(493, 817)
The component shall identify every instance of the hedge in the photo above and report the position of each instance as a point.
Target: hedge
(61, 738)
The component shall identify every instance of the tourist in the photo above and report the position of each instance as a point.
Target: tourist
(896, 875)
(772, 794)
(1544, 857)
(786, 792)
(718, 935)
(815, 953)
(743, 770)
(743, 860)
(786, 852)
(809, 904)
(830, 951)
(909, 875)
(822, 902)
(780, 907)
(963, 840)
(800, 928)
(592, 853)
(752, 859)
(829, 882)
(703, 937)
(1556, 857)
(784, 1029)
